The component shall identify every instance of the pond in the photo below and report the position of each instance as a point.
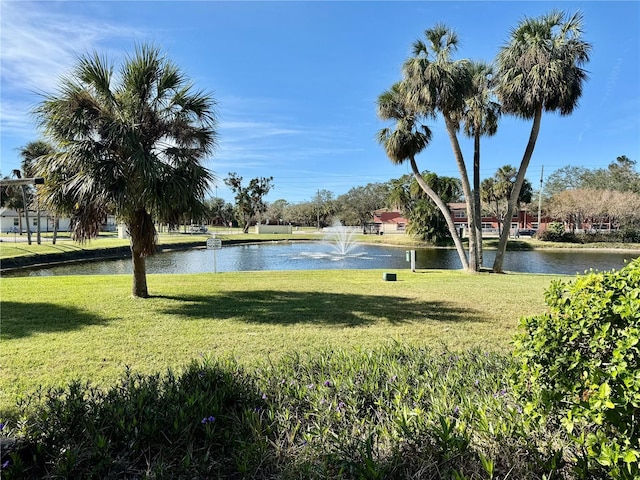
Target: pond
(322, 256)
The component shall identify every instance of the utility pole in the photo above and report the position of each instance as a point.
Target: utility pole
(540, 199)
(318, 209)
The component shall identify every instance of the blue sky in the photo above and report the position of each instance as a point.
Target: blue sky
(297, 82)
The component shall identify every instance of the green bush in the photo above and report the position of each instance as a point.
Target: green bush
(626, 234)
(630, 234)
(579, 366)
(555, 232)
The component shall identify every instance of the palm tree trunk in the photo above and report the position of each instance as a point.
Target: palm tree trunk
(466, 190)
(38, 232)
(55, 229)
(476, 197)
(26, 212)
(143, 234)
(139, 287)
(445, 211)
(515, 193)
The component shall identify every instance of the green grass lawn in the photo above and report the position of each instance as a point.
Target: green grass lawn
(54, 329)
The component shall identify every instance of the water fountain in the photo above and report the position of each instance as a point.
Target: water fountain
(341, 238)
(338, 245)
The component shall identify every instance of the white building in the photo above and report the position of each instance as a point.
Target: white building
(10, 221)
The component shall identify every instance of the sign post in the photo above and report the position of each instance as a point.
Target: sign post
(411, 257)
(214, 244)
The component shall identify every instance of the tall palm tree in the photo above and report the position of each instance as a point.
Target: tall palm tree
(480, 118)
(539, 70)
(437, 83)
(132, 143)
(30, 154)
(405, 141)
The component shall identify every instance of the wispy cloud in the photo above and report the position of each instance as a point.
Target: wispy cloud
(15, 118)
(612, 80)
(261, 133)
(38, 46)
(39, 43)
(255, 130)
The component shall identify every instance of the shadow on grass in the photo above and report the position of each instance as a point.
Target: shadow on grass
(19, 319)
(290, 308)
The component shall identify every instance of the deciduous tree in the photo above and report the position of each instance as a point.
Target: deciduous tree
(356, 207)
(249, 199)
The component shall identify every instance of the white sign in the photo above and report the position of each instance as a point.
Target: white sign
(214, 244)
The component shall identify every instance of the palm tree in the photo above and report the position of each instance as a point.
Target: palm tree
(436, 83)
(399, 195)
(131, 143)
(26, 201)
(505, 178)
(497, 190)
(30, 154)
(405, 141)
(490, 199)
(539, 70)
(480, 118)
(426, 218)
(15, 198)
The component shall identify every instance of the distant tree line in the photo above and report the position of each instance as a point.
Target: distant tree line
(356, 207)
(603, 198)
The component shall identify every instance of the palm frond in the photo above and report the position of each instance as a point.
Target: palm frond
(541, 65)
(135, 142)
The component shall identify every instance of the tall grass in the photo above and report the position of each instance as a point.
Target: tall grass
(391, 412)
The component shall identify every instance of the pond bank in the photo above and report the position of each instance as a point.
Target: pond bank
(17, 263)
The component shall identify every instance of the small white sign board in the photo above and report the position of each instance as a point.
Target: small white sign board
(214, 244)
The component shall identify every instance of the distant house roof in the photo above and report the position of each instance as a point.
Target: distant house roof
(8, 212)
(385, 216)
(457, 206)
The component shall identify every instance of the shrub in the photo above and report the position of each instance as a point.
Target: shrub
(630, 234)
(626, 234)
(579, 366)
(555, 232)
